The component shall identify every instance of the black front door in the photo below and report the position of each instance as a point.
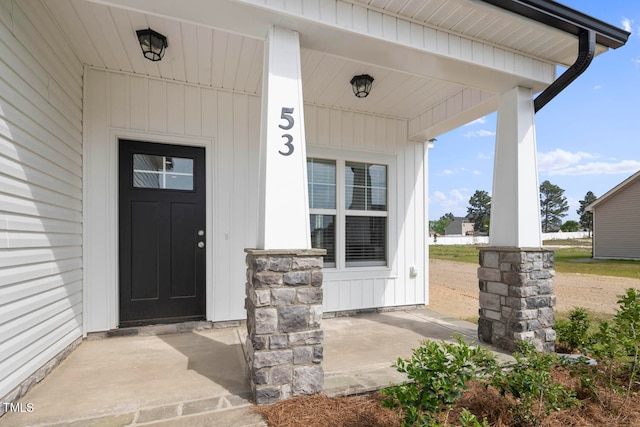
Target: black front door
(162, 233)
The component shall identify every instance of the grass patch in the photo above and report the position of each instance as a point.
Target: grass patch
(578, 260)
(459, 253)
(569, 242)
(567, 260)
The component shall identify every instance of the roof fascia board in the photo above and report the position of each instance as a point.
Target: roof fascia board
(565, 19)
(613, 191)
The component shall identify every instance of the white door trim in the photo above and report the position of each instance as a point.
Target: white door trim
(106, 231)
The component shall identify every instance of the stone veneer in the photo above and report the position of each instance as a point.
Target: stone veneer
(284, 314)
(516, 297)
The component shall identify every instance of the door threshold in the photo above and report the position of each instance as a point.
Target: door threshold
(150, 330)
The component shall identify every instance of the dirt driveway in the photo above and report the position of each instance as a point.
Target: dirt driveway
(454, 290)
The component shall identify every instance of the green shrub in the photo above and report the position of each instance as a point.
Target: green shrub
(617, 349)
(574, 332)
(437, 373)
(467, 419)
(530, 384)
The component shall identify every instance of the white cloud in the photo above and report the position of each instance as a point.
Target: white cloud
(476, 172)
(561, 162)
(438, 195)
(597, 87)
(481, 132)
(600, 168)
(454, 201)
(482, 156)
(560, 159)
(457, 194)
(448, 172)
(481, 120)
(626, 24)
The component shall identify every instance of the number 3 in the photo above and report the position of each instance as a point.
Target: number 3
(288, 144)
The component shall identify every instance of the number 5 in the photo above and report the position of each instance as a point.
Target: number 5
(286, 115)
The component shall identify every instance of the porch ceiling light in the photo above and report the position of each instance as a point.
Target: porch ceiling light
(361, 85)
(152, 43)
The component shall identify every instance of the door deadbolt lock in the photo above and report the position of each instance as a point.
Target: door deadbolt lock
(200, 232)
(201, 245)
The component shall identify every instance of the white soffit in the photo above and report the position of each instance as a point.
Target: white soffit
(223, 48)
(482, 21)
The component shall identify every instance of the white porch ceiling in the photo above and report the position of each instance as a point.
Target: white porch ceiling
(103, 36)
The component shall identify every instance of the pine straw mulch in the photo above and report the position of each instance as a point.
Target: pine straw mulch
(319, 411)
(367, 411)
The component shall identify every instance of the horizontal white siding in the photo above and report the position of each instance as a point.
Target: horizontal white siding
(616, 227)
(355, 136)
(40, 192)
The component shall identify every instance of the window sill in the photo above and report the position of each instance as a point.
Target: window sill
(359, 273)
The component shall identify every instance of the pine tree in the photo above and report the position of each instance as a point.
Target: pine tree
(479, 210)
(553, 206)
(586, 218)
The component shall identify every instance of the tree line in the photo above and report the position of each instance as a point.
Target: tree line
(553, 207)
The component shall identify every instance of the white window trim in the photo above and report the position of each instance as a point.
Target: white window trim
(340, 157)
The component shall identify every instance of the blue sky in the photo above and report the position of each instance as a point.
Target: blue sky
(588, 137)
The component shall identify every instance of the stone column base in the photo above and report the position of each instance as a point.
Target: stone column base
(516, 297)
(284, 314)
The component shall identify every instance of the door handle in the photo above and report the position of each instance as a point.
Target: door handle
(201, 245)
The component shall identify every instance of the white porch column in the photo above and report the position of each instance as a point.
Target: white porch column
(284, 275)
(515, 201)
(283, 221)
(516, 275)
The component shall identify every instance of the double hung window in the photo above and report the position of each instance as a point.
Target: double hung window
(349, 211)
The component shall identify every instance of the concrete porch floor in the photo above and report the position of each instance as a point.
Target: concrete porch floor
(198, 378)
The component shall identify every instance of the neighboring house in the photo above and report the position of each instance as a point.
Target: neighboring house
(616, 225)
(129, 189)
(460, 226)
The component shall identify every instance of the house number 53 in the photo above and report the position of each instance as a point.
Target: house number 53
(286, 115)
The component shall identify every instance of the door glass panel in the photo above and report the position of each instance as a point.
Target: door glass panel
(162, 172)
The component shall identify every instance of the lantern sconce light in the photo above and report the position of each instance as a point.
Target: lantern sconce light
(152, 44)
(361, 85)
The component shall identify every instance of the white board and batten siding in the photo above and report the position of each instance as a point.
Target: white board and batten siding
(616, 224)
(40, 192)
(359, 137)
(228, 125)
(154, 110)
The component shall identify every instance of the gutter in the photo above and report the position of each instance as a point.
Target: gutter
(566, 19)
(586, 52)
(588, 29)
